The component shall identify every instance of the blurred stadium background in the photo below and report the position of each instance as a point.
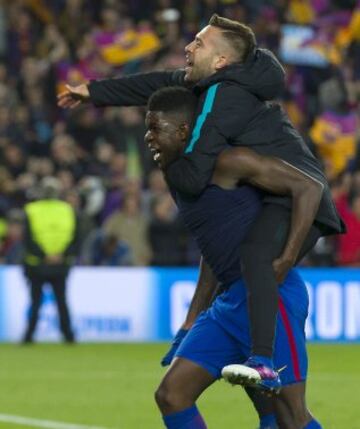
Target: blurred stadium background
(140, 292)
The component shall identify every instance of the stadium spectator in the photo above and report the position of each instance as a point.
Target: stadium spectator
(86, 222)
(92, 193)
(156, 189)
(167, 234)
(130, 224)
(12, 249)
(348, 249)
(65, 155)
(106, 250)
(333, 131)
(85, 128)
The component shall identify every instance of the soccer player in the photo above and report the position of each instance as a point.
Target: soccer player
(219, 220)
(234, 81)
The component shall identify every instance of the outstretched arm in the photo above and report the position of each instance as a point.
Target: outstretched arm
(277, 177)
(132, 90)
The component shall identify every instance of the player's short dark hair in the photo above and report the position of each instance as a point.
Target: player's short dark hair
(239, 36)
(174, 99)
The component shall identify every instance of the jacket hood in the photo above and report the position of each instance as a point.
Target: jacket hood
(261, 74)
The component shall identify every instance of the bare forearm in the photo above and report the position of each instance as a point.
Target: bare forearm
(281, 178)
(305, 204)
(203, 296)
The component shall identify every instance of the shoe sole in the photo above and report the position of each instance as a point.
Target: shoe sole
(245, 376)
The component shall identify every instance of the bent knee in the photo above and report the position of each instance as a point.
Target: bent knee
(169, 399)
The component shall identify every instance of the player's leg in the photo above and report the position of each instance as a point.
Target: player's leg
(178, 391)
(290, 408)
(58, 284)
(35, 284)
(289, 353)
(184, 383)
(200, 357)
(290, 345)
(263, 244)
(264, 407)
(193, 369)
(290, 350)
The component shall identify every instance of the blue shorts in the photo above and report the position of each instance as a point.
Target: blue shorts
(220, 336)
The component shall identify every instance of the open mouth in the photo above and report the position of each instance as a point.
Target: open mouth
(155, 154)
(189, 63)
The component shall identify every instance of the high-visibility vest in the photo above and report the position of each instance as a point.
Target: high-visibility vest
(52, 225)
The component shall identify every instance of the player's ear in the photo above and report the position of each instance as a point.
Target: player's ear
(184, 130)
(221, 61)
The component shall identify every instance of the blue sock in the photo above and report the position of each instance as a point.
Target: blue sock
(268, 422)
(264, 360)
(186, 419)
(314, 424)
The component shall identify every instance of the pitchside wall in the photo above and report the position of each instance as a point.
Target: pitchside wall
(140, 304)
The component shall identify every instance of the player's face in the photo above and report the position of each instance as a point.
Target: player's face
(202, 54)
(164, 137)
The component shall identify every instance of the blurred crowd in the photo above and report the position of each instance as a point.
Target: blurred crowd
(98, 156)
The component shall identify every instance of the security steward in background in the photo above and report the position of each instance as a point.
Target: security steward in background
(50, 248)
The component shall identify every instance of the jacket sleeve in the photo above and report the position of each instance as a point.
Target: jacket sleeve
(224, 113)
(133, 90)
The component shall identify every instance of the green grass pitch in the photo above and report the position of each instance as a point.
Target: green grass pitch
(112, 385)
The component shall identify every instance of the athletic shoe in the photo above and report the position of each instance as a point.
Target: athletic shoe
(253, 374)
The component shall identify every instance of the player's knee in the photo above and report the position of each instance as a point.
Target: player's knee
(164, 397)
(168, 399)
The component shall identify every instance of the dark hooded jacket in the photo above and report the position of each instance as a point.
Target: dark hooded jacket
(234, 108)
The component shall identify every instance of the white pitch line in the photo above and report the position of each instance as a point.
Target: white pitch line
(47, 424)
